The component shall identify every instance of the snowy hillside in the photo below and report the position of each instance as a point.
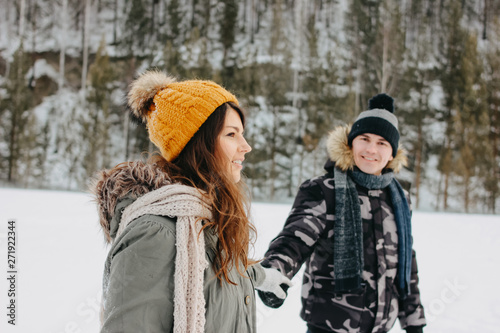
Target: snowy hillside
(61, 252)
(299, 68)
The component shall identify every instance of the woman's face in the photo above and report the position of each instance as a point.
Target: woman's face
(371, 153)
(232, 144)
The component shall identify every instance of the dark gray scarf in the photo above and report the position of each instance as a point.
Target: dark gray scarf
(348, 230)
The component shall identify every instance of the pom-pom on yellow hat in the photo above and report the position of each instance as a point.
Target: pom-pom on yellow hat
(174, 111)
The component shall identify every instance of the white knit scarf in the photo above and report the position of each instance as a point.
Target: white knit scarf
(187, 204)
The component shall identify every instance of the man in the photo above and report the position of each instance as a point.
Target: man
(352, 228)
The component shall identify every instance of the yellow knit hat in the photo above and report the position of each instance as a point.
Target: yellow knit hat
(174, 111)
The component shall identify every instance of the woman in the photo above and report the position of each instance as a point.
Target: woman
(178, 225)
(352, 227)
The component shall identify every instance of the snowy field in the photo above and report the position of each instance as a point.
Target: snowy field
(60, 258)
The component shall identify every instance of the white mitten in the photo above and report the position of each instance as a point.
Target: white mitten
(275, 282)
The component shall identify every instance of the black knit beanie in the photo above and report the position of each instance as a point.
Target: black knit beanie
(379, 119)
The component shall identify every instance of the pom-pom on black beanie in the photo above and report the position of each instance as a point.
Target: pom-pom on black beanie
(379, 119)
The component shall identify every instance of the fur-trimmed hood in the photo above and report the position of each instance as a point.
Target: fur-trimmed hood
(340, 152)
(116, 188)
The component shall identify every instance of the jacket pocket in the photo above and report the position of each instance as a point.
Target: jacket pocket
(340, 311)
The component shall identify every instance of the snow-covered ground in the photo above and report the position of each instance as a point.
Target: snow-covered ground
(60, 257)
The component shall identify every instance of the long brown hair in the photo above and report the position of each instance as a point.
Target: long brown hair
(198, 166)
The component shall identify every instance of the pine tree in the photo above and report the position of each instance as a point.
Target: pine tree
(362, 20)
(275, 86)
(99, 105)
(386, 55)
(43, 139)
(452, 52)
(194, 62)
(137, 28)
(322, 107)
(269, 122)
(491, 177)
(473, 135)
(415, 112)
(85, 42)
(62, 41)
(227, 39)
(16, 107)
(174, 22)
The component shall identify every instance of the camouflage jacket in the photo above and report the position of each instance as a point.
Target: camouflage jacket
(307, 237)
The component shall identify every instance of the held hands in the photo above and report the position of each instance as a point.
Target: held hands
(273, 290)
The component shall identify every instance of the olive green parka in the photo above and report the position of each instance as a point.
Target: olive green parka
(138, 283)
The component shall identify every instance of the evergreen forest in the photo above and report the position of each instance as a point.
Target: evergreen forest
(298, 67)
